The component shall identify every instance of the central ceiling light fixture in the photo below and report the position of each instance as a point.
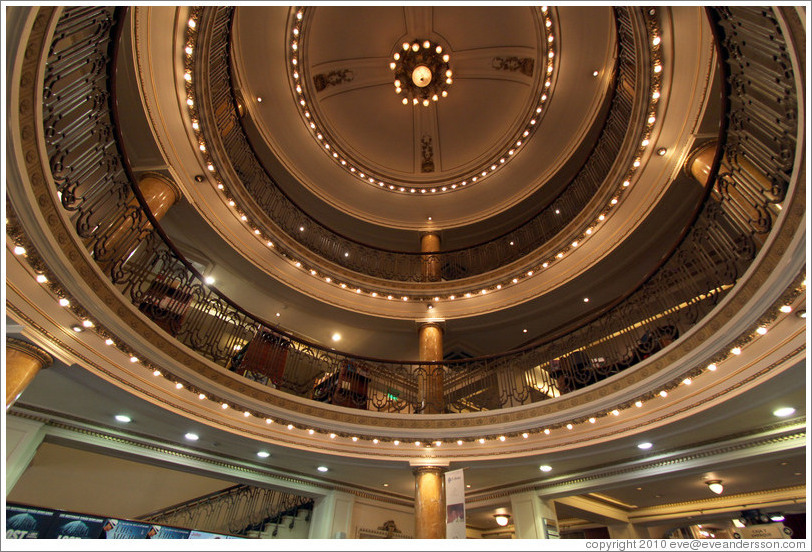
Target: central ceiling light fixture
(422, 73)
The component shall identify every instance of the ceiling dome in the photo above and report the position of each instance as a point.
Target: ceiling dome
(497, 65)
(326, 109)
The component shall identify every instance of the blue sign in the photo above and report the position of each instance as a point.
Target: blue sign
(27, 523)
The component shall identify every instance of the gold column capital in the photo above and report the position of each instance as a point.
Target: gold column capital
(438, 470)
(168, 182)
(31, 350)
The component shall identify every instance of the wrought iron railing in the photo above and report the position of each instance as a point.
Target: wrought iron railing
(236, 510)
(224, 125)
(99, 192)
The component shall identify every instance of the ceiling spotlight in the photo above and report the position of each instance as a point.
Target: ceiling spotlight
(594, 73)
(715, 485)
(209, 280)
(661, 151)
(192, 436)
(336, 337)
(545, 468)
(77, 328)
(786, 308)
(501, 519)
(322, 468)
(123, 418)
(263, 454)
(784, 412)
(644, 446)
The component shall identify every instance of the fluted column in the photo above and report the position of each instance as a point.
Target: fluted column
(429, 502)
(430, 379)
(23, 362)
(430, 262)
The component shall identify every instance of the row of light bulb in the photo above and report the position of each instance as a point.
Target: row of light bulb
(492, 166)
(88, 323)
(654, 97)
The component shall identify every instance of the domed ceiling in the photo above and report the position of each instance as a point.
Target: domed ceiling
(509, 122)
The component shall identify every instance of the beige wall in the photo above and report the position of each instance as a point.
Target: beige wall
(371, 514)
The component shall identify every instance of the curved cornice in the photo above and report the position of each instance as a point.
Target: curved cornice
(32, 198)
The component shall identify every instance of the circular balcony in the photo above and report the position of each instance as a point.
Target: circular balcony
(90, 226)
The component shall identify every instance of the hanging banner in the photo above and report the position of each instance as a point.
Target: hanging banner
(455, 505)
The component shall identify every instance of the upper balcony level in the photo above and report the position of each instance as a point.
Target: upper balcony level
(90, 223)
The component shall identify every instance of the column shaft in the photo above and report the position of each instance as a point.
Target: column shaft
(160, 194)
(430, 243)
(429, 502)
(430, 376)
(23, 362)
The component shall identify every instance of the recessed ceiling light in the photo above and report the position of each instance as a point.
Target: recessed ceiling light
(322, 468)
(784, 412)
(644, 446)
(336, 337)
(123, 418)
(77, 328)
(263, 454)
(209, 280)
(545, 468)
(192, 436)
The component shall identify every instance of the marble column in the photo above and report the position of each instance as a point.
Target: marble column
(23, 362)
(429, 502)
(430, 376)
(430, 263)
(160, 193)
(738, 192)
(699, 162)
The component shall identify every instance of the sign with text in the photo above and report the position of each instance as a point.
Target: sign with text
(27, 523)
(163, 532)
(764, 531)
(75, 526)
(455, 505)
(124, 529)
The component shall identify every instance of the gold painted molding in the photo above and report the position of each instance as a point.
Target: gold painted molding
(31, 350)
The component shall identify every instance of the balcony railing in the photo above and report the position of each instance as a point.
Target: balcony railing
(99, 191)
(224, 126)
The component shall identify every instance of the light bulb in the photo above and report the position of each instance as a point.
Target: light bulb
(715, 485)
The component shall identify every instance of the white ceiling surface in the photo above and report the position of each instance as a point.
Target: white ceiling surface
(74, 395)
(368, 117)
